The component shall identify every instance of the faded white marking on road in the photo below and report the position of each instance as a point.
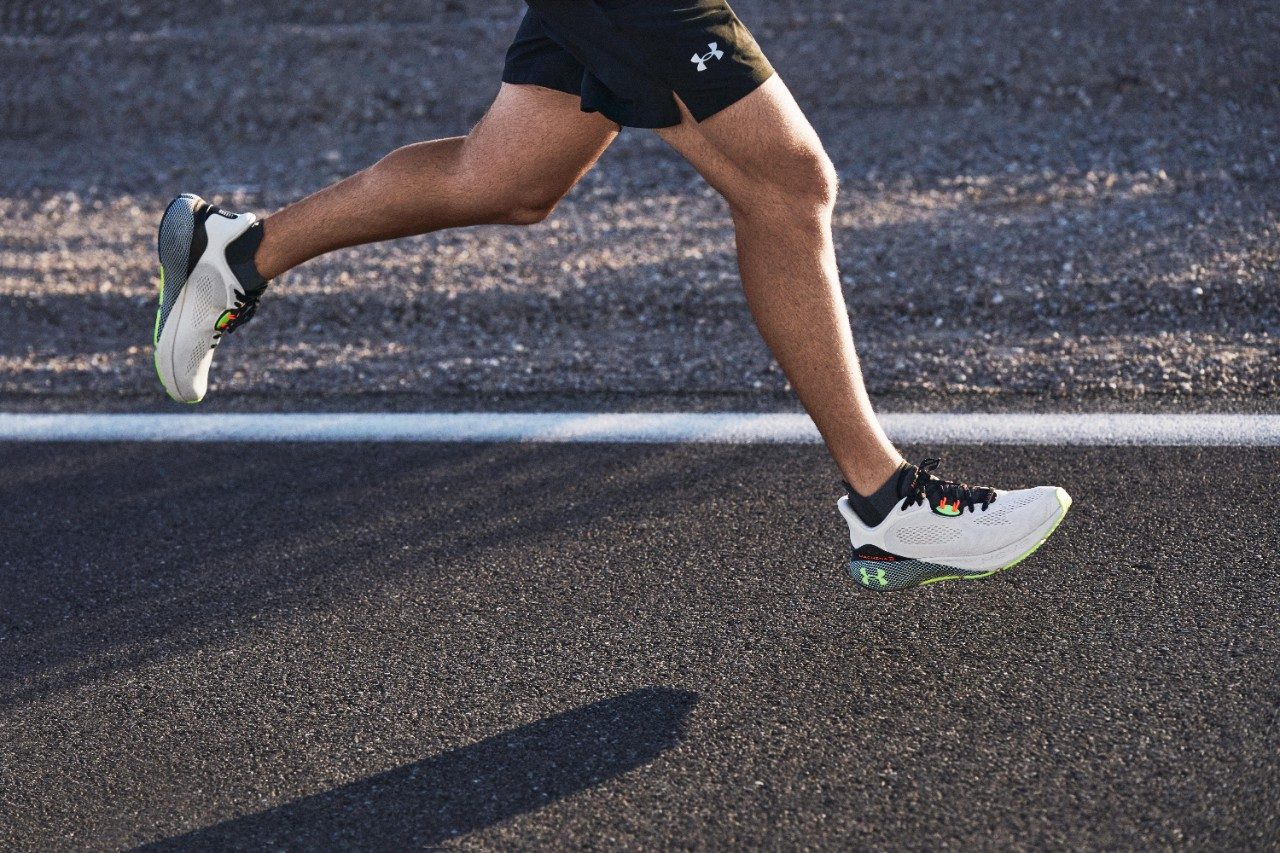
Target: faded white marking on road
(645, 428)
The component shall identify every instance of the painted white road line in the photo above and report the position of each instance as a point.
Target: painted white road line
(717, 428)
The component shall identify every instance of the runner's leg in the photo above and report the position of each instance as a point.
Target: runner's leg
(527, 152)
(764, 157)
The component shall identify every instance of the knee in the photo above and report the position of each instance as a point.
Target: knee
(799, 182)
(526, 206)
(819, 181)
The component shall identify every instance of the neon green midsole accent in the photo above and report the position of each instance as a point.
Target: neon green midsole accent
(961, 577)
(155, 334)
(155, 339)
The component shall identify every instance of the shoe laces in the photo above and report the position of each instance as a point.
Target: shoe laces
(246, 306)
(944, 496)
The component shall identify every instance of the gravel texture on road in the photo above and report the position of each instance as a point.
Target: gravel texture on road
(1055, 200)
(601, 647)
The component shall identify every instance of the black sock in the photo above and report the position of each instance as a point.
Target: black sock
(874, 508)
(240, 252)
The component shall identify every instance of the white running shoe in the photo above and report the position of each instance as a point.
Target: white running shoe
(947, 531)
(200, 298)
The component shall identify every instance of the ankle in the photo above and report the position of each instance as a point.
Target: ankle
(873, 507)
(242, 255)
(866, 479)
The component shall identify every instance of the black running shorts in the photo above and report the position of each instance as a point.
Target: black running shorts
(625, 58)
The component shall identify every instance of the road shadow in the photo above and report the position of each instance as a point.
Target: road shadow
(468, 788)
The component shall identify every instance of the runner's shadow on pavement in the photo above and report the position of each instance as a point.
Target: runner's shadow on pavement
(468, 788)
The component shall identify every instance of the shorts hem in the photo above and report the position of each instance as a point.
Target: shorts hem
(516, 78)
(729, 96)
(632, 115)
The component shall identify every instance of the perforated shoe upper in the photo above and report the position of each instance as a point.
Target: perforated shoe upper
(972, 538)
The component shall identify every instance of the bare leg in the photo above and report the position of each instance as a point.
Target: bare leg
(763, 156)
(527, 152)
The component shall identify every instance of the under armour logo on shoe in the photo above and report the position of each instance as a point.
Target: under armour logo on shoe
(714, 53)
(879, 576)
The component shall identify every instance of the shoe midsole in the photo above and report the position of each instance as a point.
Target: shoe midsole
(993, 560)
(166, 349)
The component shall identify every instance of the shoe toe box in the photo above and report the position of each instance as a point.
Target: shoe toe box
(1030, 508)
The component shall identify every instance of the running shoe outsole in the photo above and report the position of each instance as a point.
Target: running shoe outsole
(891, 576)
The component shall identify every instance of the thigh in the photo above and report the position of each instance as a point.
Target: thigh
(761, 139)
(535, 138)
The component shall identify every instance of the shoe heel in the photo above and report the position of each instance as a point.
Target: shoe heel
(891, 576)
(876, 576)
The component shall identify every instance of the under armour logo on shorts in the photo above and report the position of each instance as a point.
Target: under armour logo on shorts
(714, 53)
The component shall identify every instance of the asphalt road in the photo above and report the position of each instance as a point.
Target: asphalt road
(390, 646)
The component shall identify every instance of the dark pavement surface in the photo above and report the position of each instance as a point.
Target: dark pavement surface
(388, 646)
